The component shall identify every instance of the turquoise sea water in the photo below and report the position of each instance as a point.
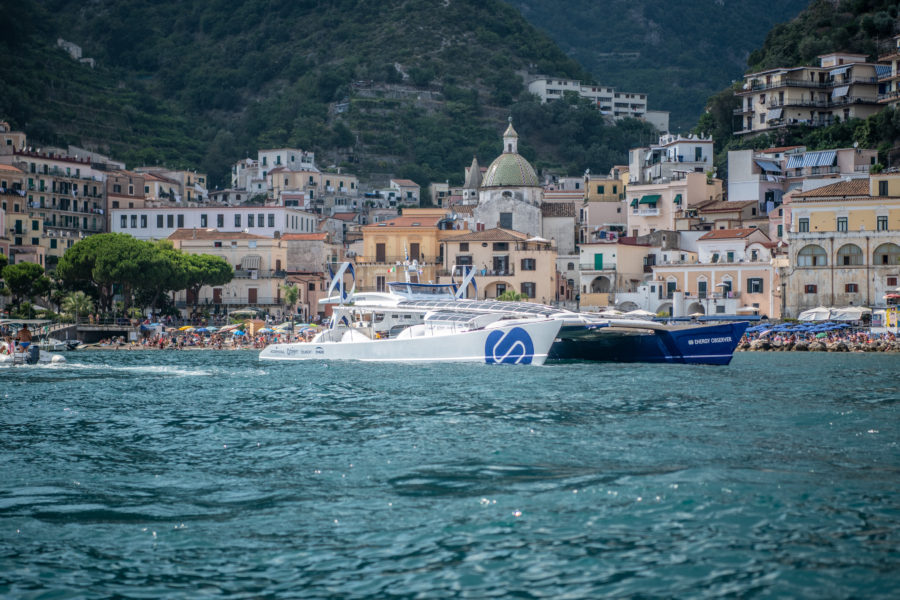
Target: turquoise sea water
(210, 474)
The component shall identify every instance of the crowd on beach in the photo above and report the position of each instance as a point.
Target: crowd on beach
(824, 337)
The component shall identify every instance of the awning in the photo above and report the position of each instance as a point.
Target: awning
(840, 91)
(774, 114)
(840, 71)
(795, 161)
(634, 203)
(677, 199)
(650, 199)
(767, 165)
(250, 262)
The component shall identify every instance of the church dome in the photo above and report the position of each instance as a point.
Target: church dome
(510, 169)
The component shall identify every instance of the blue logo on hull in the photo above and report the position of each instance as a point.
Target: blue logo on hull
(514, 347)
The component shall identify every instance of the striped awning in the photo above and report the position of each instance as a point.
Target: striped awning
(824, 158)
(840, 92)
(840, 71)
(650, 199)
(774, 114)
(250, 262)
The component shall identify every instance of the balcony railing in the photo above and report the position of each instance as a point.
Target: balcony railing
(478, 272)
(592, 267)
(258, 274)
(646, 212)
(394, 260)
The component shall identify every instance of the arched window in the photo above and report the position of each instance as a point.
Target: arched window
(887, 254)
(849, 255)
(812, 256)
(570, 267)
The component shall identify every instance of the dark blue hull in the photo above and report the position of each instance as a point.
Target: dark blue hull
(705, 344)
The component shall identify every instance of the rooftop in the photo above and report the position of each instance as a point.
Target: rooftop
(843, 188)
(730, 234)
(497, 234)
(213, 234)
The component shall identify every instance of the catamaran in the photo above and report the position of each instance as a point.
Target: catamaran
(581, 336)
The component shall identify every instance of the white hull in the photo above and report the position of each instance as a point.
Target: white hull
(21, 358)
(522, 342)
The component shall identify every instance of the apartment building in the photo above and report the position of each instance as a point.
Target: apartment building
(845, 244)
(889, 76)
(656, 206)
(503, 260)
(672, 157)
(843, 86)
(615, 104)
(159, 221)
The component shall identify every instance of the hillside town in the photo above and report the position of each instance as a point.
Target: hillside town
(789, 230)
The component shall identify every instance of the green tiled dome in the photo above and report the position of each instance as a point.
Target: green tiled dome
(510, 170)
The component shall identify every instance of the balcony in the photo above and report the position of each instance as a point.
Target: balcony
(394, 260)
(592, 267)
(258, 274)
(511, 272)
(646, 212)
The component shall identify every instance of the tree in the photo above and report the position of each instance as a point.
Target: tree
(291, 295)
(77, 304)
(3, 261)
(203, 269)
(24, 280)
(511, 295)
(124, 261)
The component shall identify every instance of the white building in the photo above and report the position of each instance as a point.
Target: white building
(674, 156)
(155, 223)
(618, 105)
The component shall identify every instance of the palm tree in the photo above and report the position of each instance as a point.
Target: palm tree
(291, 295)
(77, 304)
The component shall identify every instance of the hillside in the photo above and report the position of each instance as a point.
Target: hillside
(679, 52)
(858, 26)
(412, 88)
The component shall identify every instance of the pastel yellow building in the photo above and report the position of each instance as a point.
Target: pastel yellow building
(845, 244)
(503, 260)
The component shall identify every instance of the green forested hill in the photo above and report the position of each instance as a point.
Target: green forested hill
(680, 52)
(409, 87)
(857, 26)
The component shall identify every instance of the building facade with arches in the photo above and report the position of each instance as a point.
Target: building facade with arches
(845, 244)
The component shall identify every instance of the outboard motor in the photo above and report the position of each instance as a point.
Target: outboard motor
(33, 354)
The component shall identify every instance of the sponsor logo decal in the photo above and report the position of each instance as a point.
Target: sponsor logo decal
(513, 347)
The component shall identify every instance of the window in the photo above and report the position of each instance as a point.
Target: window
(715, 257)
(698, 154)
(123, 221)
(810, 288)
(528, 264)
(170, 221)
(143, 221)
(754, 255)
(599, 189)
(882, 188)
(251, 243)
(202, 220)
(729, 257)
(134, 221)
(781, 231)
(506, 220)
(217, 244)
(754, 285)
(803, 225)
(842, 223)
(812, 256)
(849, 255)
(887, 254)
(851, 288)
(881, 223)
(271, 220)
(237, 219)
(34, 225)
(892, 282)
(380, 253)
(464, 247)
(250, 221)
(501, 246)
(181, 220)
(220, 220)
(701, 288)
(464, 259)
(528, 288)
(159, 221)
(52, 244)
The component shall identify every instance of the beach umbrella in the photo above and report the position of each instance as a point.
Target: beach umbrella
(201, 330)
(266, 330)
(185, 328)
(821, 335)
(239, 332)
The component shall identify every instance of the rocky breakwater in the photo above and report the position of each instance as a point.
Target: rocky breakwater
(818, 345)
